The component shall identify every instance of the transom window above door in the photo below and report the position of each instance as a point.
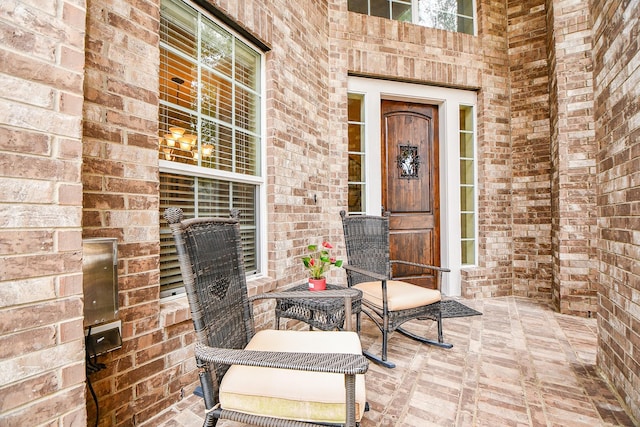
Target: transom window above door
(450, 15)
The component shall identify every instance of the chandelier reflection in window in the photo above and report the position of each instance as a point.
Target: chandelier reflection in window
(179, 144)
(182, 144)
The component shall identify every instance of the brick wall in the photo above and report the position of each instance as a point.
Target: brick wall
(493, 276)
(337, 101)
(573, 148)
(120, 177)
(617, 114)
(41, 336)
(530, 148)
(155, 367)
(303, 167)
(90, 169)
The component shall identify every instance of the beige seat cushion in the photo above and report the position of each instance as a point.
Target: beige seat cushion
(298, 395)
(400, 295)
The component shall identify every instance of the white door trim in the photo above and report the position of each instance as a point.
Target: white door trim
(448, 101)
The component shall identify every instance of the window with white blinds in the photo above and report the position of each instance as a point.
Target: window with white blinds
(210, 129)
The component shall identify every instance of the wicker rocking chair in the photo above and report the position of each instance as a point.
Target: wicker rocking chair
(388, 303)
(268, 378)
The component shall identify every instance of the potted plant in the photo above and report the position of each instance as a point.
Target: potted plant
(318, 262)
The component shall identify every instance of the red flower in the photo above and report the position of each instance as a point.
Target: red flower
(318, 261)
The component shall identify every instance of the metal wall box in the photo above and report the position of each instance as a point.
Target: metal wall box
(104, 338)
(100, 280)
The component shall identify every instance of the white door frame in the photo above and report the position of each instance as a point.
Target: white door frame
(448, 102)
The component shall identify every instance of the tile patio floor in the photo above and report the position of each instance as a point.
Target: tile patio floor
(519, 364)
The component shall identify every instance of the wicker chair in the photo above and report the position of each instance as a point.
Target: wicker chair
(389, 303)
(268, 378)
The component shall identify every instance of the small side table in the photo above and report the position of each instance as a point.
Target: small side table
(321, 313)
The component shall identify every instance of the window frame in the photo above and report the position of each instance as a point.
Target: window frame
(449, 101)
(473, 186)
(415, 10)
(362, 183)
(194, 171)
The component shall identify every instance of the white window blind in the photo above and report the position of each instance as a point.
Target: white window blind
(210, 132)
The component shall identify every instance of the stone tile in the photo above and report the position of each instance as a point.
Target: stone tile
(519, 364)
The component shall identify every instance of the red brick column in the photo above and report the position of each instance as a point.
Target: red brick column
(41, 336)
(494, 274)
(121, 200)
(573, 149)
(531, 204)
(616, 74)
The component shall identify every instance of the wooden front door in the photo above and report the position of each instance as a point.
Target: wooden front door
(410, 186)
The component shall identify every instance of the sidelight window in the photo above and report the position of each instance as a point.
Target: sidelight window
(468, 204)
(357, 159)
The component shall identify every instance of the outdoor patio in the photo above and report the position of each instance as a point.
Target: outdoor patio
(519, 364)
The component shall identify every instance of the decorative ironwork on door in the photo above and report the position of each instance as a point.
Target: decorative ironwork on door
(408, 161)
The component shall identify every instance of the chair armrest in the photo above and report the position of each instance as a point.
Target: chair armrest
(338, 363)
(376, 276)
(426, 266)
